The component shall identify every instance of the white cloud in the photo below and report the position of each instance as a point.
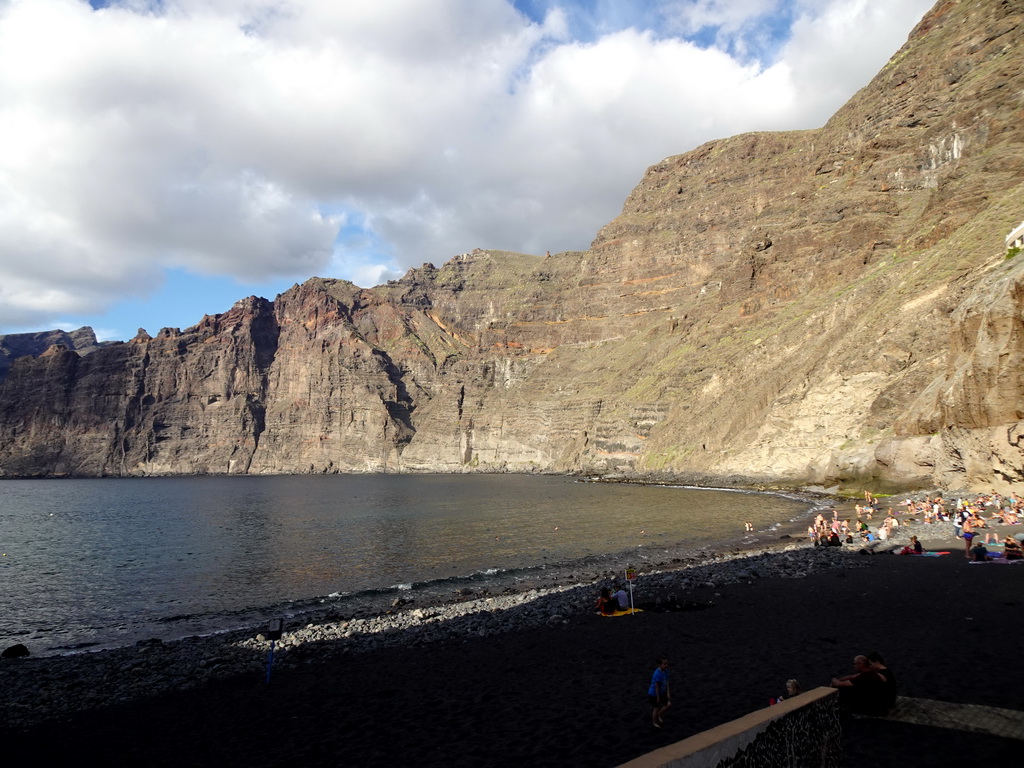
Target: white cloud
(218, 135)
(691, 16)
(838, 46)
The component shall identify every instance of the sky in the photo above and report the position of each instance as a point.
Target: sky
(162, 159)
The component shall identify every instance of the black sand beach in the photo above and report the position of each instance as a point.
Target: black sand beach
(574, 693)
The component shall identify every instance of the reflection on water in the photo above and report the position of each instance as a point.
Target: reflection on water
(94, 560)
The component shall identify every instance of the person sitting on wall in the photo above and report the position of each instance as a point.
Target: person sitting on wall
(863, 692)
(888, 700)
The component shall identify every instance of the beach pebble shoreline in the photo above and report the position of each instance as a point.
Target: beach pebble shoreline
(47, 688)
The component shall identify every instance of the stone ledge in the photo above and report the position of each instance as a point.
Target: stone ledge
(769, 731)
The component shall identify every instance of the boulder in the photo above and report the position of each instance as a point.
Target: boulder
(15, 652)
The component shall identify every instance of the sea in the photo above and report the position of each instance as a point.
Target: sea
(87, 564)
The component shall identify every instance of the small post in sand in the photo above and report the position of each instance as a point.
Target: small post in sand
(630, 578)
(274, 632)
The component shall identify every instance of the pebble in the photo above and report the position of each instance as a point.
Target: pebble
(42, 688)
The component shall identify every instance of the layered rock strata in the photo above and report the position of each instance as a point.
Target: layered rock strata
(821, 306)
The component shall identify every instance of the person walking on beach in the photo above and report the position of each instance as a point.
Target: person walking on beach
(968, 534)
(658, 693)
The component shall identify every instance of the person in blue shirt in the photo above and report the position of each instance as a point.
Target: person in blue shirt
(658, 693)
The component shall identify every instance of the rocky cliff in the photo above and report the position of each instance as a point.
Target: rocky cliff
(15, 345)
(823, 306)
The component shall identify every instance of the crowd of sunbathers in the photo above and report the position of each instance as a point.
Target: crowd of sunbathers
(973, 520)
(835, 532)
(982, 510)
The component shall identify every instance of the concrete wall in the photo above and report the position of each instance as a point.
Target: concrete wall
(803, 731)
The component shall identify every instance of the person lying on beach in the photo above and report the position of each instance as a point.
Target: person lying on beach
(658, 694)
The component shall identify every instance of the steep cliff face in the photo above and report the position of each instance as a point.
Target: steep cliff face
(806, 307)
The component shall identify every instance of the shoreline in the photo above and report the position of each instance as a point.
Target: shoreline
(156, 667)
(588, 569)
(374, 600)
(477, 682)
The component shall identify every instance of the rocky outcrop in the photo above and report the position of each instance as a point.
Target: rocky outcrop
(821, 306)
(15, 345)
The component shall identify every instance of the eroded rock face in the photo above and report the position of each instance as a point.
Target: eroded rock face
(15, 345)
(817, 306)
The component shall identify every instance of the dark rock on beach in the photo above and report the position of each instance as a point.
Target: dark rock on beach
(16, 651)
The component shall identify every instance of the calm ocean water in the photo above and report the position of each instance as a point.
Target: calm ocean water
(105, 562)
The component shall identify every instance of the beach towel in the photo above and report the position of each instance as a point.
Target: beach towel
(626, 612)
(933, 554)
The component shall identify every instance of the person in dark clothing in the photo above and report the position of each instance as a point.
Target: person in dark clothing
(863, 692)
(888, 679)
(606, 603)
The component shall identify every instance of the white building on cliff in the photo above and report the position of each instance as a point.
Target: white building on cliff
(1016, 238)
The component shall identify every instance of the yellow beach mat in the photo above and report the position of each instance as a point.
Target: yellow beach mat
(626, 612)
